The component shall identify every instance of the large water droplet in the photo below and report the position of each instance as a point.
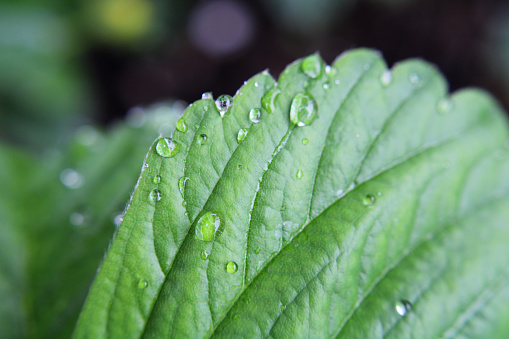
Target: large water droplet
(207, 226)
(182, 185)
(312, 66)
(368, 200)
(445, 105)
(303, 110)
(155, 195)
(207, 95)
(142, 284)
(403, 307)
(242, 135)
(166, 147)
(71, 179)
(202, 139)
(386, 78)
(269, 99)
(254, 115)
(299, 174)
(223, 103)
(181, 125)
(204, 255)
(231, 267)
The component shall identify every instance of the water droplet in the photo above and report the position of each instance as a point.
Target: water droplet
(78, 219)
(325, 86)
(236, 316)
(305, 141)
(207, 95)
(71, 179)
(157, 179)
(357, 135)
(239, 167)
(155, 195)
(386, 78)
(445, 105)
(184, 203)
(303, 110)
(142, 284)
(283, 208)
(339, 193)
(337, 81)
(242, 135)
(207, 226)
(223, 103)
(166, 147)
(117, 220)
(414, 78)
(269, 99)
(312, 66)
(299, 174)
(204, 255)
(368, 200)
(367, 67)
(146, 165)
(256, 84)
(403, 307)
(254, 115)
(231, 267)
(283, 308)
(329, 70)
(182, 185)
(181, 125)
(379, 194)
(202, 139)
(257, 251)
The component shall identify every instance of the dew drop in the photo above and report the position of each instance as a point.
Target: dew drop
(386, 78)
(256, 84)
(445, 105)
(257, 251)
(325, 86)
(202, 139)
(337, 81)
(207, 226)
(329, 70)
(184, 203)
(414, 78)
(204, 255)
(239, 167)
(269, 99)
(78, 219)
(117, 220)
(283, 308)
(182, 185)
(157, 179)
(231, 267)
(368, 200)
(142, 284)
(403, 307)
(166, 147)
(207, 95)
(312, 66)
(305, 141)
(299, 174)
(242, 135)
(155, 195)
(71, 179)
(254, 115)
(181, 125)
(223, 103)
(339, 193)
(303, 110)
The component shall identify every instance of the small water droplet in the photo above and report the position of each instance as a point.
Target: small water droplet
(155, 195)
(368, 200)
(202, 139)
(117, 220)
(236, 316)
(386, 78)
(367, 67)
(146, 165)
(207, 226)
(231, 267)
(269, 99)
(207, 95)
(339, 193)
(223, 104)
(71, 179)
(181, 125)
(142, 284)
(357, 135)
(337, 81)
(445, 105)
(254, 115)
(312, 66)
(257, 251)
(303, 110)
(184, 203)
(157, 179)
(182, 185)
(204, 255)
(283, 208)
(256, 84)
(403, 307)
(166, 147)
(299, 174)
(242, 135)
(379, 194)
(326, 86)
(78, 219)
(239, 167)
(305, 141)
(283, 308)
(329, 70)
(414, 78)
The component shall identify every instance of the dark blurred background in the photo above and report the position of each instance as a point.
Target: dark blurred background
(64, 63)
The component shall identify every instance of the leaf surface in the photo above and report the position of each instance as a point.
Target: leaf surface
(395, 192)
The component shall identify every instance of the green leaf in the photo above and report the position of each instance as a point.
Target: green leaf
(393, 194)
(53, 237)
